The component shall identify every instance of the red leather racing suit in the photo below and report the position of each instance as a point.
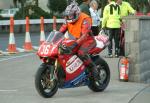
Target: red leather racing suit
(85, 39)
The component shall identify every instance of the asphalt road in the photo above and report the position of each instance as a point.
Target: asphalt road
(17, 85)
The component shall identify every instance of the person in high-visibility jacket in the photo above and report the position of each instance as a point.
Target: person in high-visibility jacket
(111, 21)
(126, 9)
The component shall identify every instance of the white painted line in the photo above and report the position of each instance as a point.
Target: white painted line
(8, 90)
(36, 47)
(5, 59)
(20, 50)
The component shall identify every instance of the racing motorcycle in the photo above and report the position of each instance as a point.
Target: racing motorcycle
(62, 68)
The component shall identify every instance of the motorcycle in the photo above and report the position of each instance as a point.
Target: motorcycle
(62, 68)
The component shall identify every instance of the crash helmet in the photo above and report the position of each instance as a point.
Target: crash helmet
(72, 13)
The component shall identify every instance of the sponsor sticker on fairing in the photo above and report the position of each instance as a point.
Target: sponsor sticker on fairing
(74, 66)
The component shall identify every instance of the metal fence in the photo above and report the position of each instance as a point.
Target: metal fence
(32, 21)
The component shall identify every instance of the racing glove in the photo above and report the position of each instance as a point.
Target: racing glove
(73, 45)
(69, 47)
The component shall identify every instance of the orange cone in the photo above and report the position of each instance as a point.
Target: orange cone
(1, 52)
(148, 14)
(42, 35)
(54, 23)
(27, 45)
(12, 45)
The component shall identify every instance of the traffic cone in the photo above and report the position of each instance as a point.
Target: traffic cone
(12, 45)
(27, 45)
(148, 14)
(54, 23)
(42, 35)
(1, 52)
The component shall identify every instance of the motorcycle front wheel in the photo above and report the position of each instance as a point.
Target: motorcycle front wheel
(44, 85)
(104, 73)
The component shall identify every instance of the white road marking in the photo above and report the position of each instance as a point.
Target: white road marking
(8, 90)
(5, 59)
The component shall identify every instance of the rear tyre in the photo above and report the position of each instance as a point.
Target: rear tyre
(104, 73)
(45, 86)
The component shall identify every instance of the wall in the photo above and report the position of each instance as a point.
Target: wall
(137, 47)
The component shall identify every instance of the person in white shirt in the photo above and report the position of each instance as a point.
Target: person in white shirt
(95, 17)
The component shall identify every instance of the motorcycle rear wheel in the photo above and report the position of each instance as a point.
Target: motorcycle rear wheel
(104, 72)
(45, 87)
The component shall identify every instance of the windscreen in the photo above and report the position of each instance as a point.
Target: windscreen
(54, 37)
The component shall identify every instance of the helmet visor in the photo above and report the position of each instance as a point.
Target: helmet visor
(70, 17)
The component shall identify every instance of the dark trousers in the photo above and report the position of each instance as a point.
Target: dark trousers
(122, 43)
(113, 33)
(95, 30)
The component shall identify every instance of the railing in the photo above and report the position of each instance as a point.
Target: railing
(32, 21)
(11, 23)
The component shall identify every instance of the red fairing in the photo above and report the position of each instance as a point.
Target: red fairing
(47, 50)
(72, 65)
(95, 51)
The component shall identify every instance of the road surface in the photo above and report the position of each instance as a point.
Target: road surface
(17, 83)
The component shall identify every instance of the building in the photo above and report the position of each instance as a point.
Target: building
(9, 12)
(6, 4)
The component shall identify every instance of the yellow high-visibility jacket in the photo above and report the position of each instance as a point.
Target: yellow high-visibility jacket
(111, 16)
(126, 8)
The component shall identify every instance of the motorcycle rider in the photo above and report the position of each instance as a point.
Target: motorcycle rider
(78, 25)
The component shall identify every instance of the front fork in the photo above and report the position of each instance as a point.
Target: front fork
(53, 70)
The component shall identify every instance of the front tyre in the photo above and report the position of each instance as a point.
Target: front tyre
(104, 73)
(45, 86)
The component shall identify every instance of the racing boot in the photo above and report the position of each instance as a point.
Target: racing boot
(91, 66)
(95, 72)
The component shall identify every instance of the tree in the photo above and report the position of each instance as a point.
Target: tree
(57, 6)
(79, 1)
(22, 2)
(15, 3)
(36, 2)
